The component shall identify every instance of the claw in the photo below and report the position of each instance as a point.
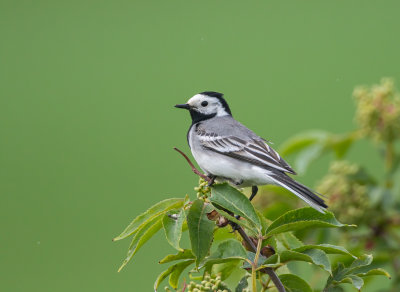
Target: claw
(211, 182)
(234, 226)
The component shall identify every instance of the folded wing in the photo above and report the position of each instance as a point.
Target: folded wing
(255, 151)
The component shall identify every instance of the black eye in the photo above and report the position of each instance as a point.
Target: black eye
(204, 103)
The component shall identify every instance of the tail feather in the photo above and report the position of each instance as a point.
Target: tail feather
(306, 194)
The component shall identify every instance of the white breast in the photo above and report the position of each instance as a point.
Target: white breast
(213, 163)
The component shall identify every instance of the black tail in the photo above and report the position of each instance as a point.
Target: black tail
(307, 195)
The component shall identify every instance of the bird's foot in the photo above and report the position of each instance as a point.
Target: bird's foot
(212, 180)
(234, 225)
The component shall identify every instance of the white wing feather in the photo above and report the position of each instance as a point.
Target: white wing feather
(256, 151)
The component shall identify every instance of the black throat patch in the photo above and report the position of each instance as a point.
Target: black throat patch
(198, 117)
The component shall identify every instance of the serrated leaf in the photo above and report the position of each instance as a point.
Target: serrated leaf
(141, 237)
(231, 199)
(289, 240)
(172, 223)
(177, 271)
(293, 283)
(302, 218)
(154, 211)
(327, 248)
(315, 256)
(200, 229)
(185, 254)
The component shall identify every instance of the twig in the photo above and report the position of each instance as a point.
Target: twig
(269, 271)
(194, 169)
(184, 286)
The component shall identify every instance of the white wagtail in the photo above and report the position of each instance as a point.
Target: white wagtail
(227, 150)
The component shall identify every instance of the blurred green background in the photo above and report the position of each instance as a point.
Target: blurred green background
(87, 123)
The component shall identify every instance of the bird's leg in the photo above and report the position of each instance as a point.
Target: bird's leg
(212, 179)
(254, 190)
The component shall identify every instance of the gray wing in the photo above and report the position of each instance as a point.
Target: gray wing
(254, 150)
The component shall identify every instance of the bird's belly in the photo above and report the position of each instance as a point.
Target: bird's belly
(241, 173)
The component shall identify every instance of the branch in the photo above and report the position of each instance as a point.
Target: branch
(271, 273)
(194, 169)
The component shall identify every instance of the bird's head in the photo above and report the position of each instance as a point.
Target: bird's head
(206, 105)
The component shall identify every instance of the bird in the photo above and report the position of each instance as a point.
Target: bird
(226, 150)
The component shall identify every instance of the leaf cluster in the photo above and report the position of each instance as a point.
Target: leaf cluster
(275, 242)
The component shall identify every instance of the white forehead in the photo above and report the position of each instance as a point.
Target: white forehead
(199, 98)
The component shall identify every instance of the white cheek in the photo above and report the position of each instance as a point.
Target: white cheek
(221, 112)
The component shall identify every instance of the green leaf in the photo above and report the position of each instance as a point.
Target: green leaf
(172, 223)
(231, 199)
(308, 155)
(243, 284)
(289, 240)
(302, 218)
(338, 274)
(302, 141)
(182, 255)
(229, 252)
(341, 274)
(263, 262)
(141, 237)
(243, 223)
(177, 271)
(252, 256)
(374, 272)
(315, 256)
(264, 222)
(200, 229)
(355, 280)
(271, 262)
(333, 289)
(170, 270)
(341, 144)
(293, 283)
(364, 260)
(327, 248)
(152, 212)
(311, 145)
(230, 248)
(162, 276)
(224, 270)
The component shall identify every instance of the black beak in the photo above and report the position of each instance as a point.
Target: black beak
(185, 106)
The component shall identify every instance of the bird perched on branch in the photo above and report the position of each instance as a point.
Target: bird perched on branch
(227, 150)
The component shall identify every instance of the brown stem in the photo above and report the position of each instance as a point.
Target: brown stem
(194, 169)
(184, 286)
(269, 271)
